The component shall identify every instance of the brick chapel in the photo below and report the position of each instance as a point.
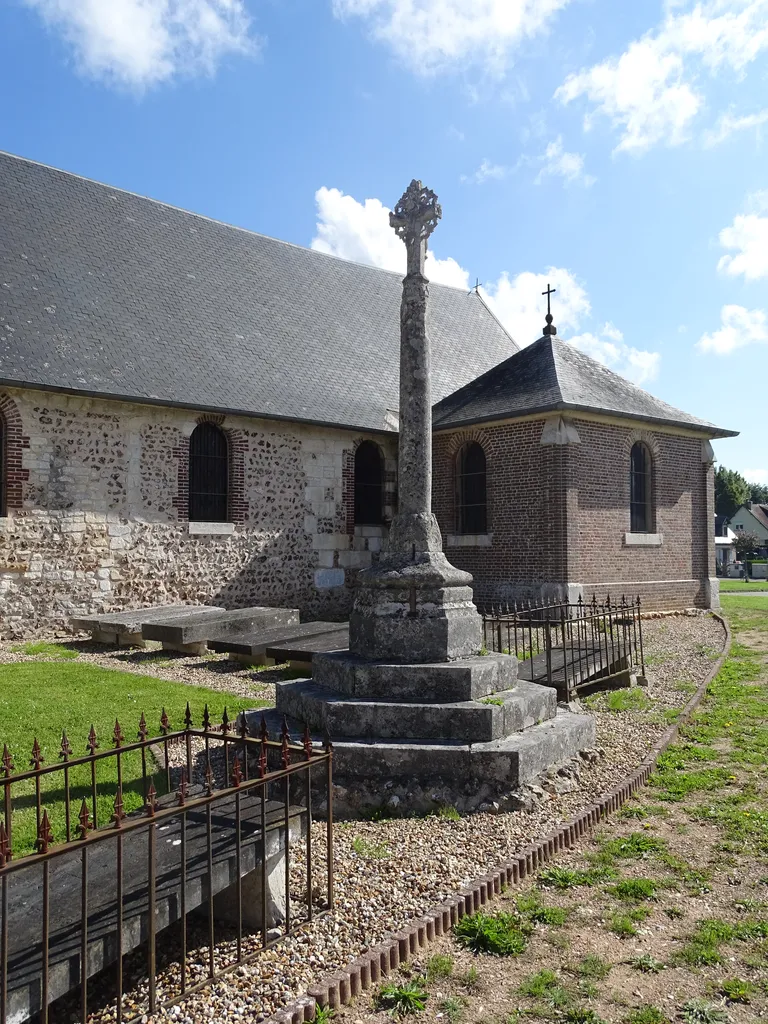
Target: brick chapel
(194, 412)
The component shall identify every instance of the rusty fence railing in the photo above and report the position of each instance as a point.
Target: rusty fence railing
(211, 834)
(568, 645)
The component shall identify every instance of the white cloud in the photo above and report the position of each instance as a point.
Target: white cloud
(738, 327)
(485, 172)
(431, 35)
(650, 91)
(361, 232)
(729, 123)
(608, 347)
(138, 43)
(749, 236)
(559, 163)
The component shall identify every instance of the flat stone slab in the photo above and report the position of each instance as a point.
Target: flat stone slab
(328, 712)
(198, 628)
(440, 682)
(305, 650)
(131, 621)
(254, 644)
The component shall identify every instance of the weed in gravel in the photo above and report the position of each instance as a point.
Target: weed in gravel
(501, 934)
(736, 990)
(470, 980)
(323, 1015)
(439, 966)
(368, 850)
(646, 963)
(452, 1008)
(448, 813)
(674, 913)
(565, 878)
(493, 700)
(634, 846)
(633, 699)
(622, 925)
(634, 889)
(545, 985)
(632, 811)
(530, 907)
(36, 648)
(580, 1015)
(402, 1000)
(699, 1011)
(593, 966)
(703, 947)
(647, 1014)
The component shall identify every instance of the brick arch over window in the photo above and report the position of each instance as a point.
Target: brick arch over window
(236, 449)
(12, 442)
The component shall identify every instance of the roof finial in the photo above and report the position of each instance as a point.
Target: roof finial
(550, 328)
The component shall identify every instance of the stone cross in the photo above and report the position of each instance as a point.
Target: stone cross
(414, 219)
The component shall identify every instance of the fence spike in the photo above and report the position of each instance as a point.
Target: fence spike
(165, 725)
(181, 792)
(117, 735)
(327, 742)
(209, 781)
(286, 750)
(264, 731)
(5, 846)
(84, 817)
(37, 756)
(188, 717)
(8, 765)
(151, 798)
(206, 719)
(237, 775)
(44, 834)
(307, 742)
(93, 744)
(243, 729)
(66, 750)
(143, 731)
(119, 814)
(263, 759)
(225, 722)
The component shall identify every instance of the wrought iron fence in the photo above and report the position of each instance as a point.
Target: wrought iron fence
(212, 839)
(568, 645)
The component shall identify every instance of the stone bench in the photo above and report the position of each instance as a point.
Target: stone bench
(251, 648)
(190, 633)
(124, 628)
(299, 653)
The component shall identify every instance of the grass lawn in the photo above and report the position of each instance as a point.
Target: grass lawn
(742, 586)
(660, 918)
(41, 699)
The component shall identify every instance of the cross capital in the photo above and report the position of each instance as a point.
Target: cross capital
(414, 219)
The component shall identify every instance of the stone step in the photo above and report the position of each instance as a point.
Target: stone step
(326, 711)
(254, 643)
(198, 628)
(440, 682)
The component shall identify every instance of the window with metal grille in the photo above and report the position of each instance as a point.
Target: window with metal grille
(472, 490)
(640, 488)
(208, 475)
(369, 485)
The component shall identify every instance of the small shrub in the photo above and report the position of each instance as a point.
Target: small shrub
(736, 990)
(646, 1015)
(698, 1011)
(402, 1000)
(635, 889)
(501, 934)
(439, 966)
(646, 963)
(368, 850)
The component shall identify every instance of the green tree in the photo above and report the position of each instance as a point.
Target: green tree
(731, 491)
(759, 493)
(745, 544)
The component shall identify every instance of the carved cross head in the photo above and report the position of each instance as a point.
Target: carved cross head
(416, 214)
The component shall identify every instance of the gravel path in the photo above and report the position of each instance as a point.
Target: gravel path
(383, 877)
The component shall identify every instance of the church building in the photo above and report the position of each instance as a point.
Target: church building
(194, 412)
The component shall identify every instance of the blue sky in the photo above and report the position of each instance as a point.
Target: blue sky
(615, 149)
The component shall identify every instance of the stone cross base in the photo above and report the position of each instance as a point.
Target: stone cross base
(414, 610)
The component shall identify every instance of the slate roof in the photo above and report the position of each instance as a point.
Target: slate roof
(112, 294)
(551, 375)
(760, 512)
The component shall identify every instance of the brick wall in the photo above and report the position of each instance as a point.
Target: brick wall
(98, 516)
(558, 514)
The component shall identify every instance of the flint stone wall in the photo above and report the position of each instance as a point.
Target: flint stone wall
(102, 519)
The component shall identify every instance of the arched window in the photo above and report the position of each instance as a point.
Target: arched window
(472, 490)
(208, 475)
(3, 468)
(369, 485)
(640, 489)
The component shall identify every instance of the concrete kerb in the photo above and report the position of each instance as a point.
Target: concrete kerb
(368, 970)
